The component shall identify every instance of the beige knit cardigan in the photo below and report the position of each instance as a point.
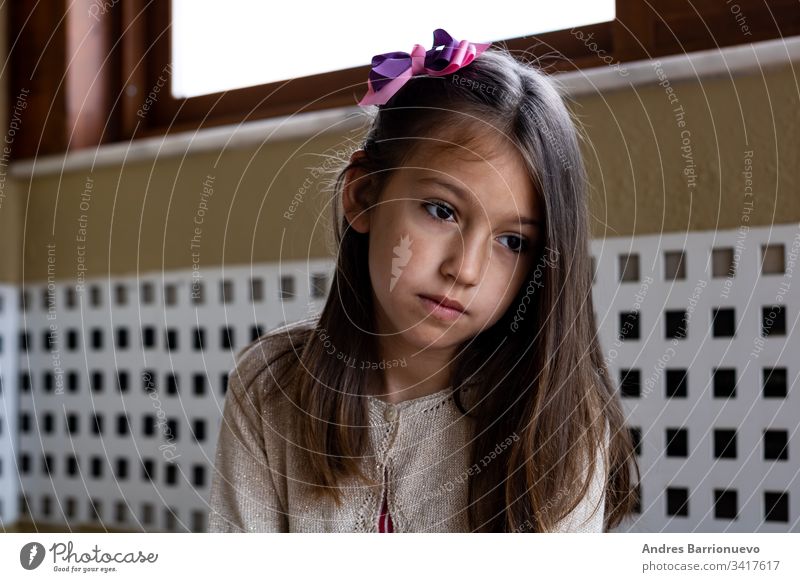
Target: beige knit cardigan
(421, 455)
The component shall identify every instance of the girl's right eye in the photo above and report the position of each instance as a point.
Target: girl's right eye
(438, 207)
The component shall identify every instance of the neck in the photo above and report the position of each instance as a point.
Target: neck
(412, 373)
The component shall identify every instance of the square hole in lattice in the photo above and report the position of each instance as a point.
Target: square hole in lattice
(170, 294)
(636, 439)
(199, 475)
(256, 289)
(123, 381)
(24, 341)
(256, 331)
(48, 340)
(198, 521)
(774, 382)
(319, 285)
(120, 294)
(724, 381)
(172, 384)
(226, 291)
(776, 506)
(199, 338)
(95, 296)
(628, 325)
(172, 429)
(224, 382)
(123, 423)
(772, 259)
(147, 293)
(723, 322)
(73, 382)
(97, 339)
(773, 320)
(72, 424)
(776, 445)
(97, 424)
(628, 267)
(149, 425)
(674, 265)
(97, 381)
(70, 297)
(725, 504)
(724, 443)
(148, 513)
(226, 338)
(677, 442)
(72, 339)
(149, 337)
(199, 430)
(199, 384)
(148, 465)
(95, 509)
(170, 518)
(637, 498)
(121, 511)
(677, 501)
(198, 292)
(630, 383)
(676, 383)
(675, 324)
(287, 288)
(149, 380)
(171, 338)
(122, 338)
(723, 262)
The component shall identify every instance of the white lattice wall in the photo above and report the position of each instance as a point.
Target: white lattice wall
(719, 458)
(159, 318)
(9, 483)
(720, 473)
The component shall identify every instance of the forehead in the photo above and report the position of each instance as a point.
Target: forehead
(492, 171)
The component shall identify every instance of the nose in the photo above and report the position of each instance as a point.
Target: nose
(465, 258)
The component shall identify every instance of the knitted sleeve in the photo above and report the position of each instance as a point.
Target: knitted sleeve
(243, 495)
(589, 514)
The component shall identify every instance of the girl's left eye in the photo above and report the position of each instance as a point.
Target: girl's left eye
(434, 208)
(520, 246)
(437, 207)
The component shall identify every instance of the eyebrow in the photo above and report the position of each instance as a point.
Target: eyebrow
(464, 195)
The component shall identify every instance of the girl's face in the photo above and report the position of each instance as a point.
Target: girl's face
(452, 226)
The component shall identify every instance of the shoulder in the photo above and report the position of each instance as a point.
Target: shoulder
(266, 362)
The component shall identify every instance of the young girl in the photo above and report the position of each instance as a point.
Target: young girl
(454, 381)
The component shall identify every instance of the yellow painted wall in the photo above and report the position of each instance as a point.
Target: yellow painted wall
(140, 217)
(11, 203)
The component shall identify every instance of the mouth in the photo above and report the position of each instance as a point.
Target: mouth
(442, 308)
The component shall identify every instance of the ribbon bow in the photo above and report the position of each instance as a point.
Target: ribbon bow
(390, 71)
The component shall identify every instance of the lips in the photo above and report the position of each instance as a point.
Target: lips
(444, 301)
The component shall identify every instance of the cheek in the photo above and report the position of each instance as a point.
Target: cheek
(500, 285)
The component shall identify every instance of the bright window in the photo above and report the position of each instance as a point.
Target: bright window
(218, 46)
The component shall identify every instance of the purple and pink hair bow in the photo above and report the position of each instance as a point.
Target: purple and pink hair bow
(390, 71)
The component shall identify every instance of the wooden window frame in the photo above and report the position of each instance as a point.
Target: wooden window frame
(95, 78)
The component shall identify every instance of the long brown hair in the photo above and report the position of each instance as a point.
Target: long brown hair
(549, 384)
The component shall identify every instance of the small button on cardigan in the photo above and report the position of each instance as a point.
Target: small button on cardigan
(421, 454)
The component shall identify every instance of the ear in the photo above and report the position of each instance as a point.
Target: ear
(358, 195)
